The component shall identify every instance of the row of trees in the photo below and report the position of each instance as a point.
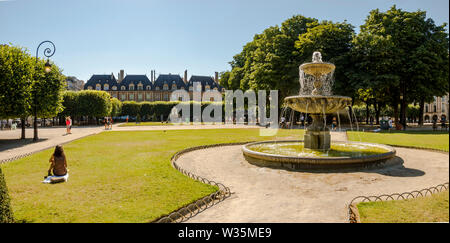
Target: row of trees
(396, 59)
(25, 87)
(89, 104)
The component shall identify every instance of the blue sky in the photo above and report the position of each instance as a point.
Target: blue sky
(104, 36)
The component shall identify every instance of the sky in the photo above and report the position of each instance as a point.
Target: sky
(202, 36)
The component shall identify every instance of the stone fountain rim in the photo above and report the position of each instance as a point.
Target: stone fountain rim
(322, 160)
(315, 63)
(317, 96)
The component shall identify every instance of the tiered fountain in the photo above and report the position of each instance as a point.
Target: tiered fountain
(316, 151)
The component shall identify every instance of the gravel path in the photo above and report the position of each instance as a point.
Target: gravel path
(271, 195)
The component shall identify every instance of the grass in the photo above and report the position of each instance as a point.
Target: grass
(432, 208)
(116, 176)
(132, 124)
(421, 139)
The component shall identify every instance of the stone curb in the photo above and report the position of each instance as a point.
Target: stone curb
(353, 213)
(188, 211)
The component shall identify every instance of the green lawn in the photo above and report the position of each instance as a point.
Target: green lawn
(432, 208)
(132, 124)
(421, 139)
(116, 176)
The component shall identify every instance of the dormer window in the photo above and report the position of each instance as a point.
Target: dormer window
(174, 86)
(106, 87)
(114, 87)
(131, 87)
(165, 87)
(140, 87)
(123, 87)
(215, 88)
(98, 87)
(207, 87)
(191, 88)
(89, 87)
(149, 87)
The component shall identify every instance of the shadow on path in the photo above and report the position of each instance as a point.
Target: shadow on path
(6, 144)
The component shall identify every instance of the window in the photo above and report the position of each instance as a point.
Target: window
(140, 87)
(443, 107)
(114, 96)
(434, 108)
(123, 87)
(191, 88)
(122, 97)
(426, 108)
(139, 97)
(165, 87)
(174, 86)
(157, 87)
(106, 87)
(207, 87)
(98, 87)
(131, 87)
(166, 97)
(131, 96)
(148, 96)
(114, 87)
(211, 99)
(215, 88)
(149, 87)
(89, 87)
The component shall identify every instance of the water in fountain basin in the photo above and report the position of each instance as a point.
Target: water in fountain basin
(337, 149)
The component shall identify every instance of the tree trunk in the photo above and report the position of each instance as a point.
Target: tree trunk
(403, 112)
(422, 107)
(367, 113)
(395, 112)
(22, 120)
(377, 113)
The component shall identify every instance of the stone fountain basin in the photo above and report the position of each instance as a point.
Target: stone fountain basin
(387, 157)
(318, 104)
(317, 68)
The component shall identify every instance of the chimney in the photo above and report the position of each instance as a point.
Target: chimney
(121, 76)
(185, 79)
(216, 77)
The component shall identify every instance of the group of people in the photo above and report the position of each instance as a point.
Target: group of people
(108, 123)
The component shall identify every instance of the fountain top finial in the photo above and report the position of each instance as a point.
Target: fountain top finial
(317, 57)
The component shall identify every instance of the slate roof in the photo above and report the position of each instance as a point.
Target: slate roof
(135, 79)
(101, 79)
(204, 80)
(169, 79)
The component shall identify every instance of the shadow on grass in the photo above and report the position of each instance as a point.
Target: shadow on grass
(6, 144)
(413, 132)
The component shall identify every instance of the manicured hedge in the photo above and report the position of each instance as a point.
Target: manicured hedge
(152, 111)
(6, 215)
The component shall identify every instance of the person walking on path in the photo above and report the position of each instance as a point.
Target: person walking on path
(67, 125)
(70, 125)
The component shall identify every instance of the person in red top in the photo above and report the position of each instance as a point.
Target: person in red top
(67, 125)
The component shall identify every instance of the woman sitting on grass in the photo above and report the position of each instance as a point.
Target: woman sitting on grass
(58, 162)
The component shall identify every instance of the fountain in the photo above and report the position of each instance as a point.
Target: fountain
(316, 151)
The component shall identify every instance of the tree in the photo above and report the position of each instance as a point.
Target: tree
(407, 54)
(16, 75)
(6, 215)
(94, 103)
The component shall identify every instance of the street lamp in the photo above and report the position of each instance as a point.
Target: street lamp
(48, 52)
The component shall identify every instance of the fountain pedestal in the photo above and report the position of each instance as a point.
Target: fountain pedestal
(317, 135)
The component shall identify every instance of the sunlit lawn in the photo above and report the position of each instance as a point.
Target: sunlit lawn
(116, 176)
(422, 139)
(432, 208)
(132, 124)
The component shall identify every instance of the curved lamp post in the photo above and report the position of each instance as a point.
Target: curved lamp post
(48, 52)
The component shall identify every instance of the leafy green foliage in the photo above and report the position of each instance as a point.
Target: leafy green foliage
(16, 75)
(6, 215)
